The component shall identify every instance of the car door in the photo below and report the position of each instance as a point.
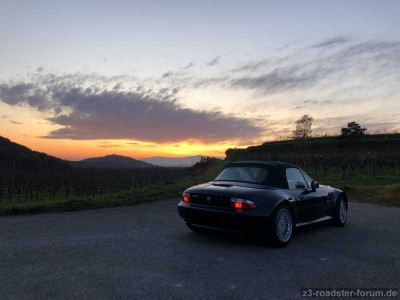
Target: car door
(308, 202)
(323, 193)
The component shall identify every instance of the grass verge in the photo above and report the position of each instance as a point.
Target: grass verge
(383, 189)
(379, 194)
(149, 193)
(153, 192)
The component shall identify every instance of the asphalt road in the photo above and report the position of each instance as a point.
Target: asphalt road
(146, 252)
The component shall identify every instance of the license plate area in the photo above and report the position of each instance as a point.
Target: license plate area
(207, 219)
(212, 200)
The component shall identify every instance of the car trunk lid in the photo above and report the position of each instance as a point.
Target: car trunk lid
(219, 193)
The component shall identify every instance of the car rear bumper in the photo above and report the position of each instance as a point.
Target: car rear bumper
(254, 221)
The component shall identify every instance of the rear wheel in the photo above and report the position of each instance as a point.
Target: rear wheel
(340, 212)
(281, 227)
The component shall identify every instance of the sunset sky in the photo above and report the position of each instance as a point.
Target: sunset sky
(175, 78)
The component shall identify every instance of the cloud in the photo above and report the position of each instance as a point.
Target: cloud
(89, 106)
(147, 145)
(111, 146)
(177, 78)
(261, 64)
(94, 112)
(188, 66)
(203, 82)
(216, 60)
(312, 103)
(362, 64)
(168, 74)
(369, 61)
(281, 79)
(254, 66)
(333, 42)
(15, 122)
(371, 122)
(287, 45)
(24, 93)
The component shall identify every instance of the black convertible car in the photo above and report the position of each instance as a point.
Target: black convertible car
(269, 198)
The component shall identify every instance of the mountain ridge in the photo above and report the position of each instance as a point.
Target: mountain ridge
(14, 155)
(111, 161)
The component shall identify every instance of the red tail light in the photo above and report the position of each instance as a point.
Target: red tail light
(240, 204)
(186, 197)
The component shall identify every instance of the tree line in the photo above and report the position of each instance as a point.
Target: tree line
(303, 130)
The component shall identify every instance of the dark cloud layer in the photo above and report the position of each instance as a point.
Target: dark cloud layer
(92, 113)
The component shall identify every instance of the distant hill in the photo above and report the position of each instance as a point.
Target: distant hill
(110, 162)
(21, 157)
(173, 161)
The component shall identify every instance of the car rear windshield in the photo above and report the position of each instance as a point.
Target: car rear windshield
(246, 174)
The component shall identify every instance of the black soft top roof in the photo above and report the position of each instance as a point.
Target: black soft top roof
(280, 166)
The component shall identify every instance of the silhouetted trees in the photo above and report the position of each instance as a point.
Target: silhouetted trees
(353, 130)
(303, 127)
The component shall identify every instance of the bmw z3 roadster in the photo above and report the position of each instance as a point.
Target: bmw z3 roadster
(268, 198)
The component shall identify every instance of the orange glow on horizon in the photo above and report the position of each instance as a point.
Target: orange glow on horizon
(77, 150)
(24, 126)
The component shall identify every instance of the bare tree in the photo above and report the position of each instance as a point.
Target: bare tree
(303, 127)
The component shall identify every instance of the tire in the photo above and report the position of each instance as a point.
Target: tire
(281, 227)
(339, 215)
(195, 229)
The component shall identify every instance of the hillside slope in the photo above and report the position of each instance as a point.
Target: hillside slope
(21, 157)
(331, 145)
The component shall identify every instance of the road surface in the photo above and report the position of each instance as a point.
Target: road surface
(146, 252)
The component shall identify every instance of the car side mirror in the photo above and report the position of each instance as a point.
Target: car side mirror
(300, 185)
(314, 185)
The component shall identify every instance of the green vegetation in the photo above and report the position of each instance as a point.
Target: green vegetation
(201, 172)
(153, 192)
(353, 130)
(381, 189)
(366, 168)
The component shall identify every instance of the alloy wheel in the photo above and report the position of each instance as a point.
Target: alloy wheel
(284, 225)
